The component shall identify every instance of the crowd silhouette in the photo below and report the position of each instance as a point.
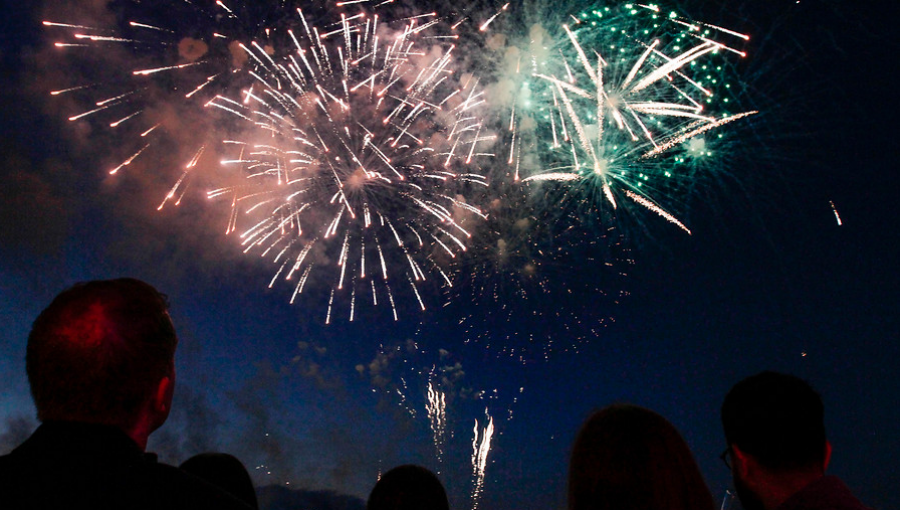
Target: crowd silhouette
(101, 366)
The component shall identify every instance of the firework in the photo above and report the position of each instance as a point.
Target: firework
(369, 149)
(350, 145)
(618, 101)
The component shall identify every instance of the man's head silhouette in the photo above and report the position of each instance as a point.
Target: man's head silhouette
(103, 352)
(774, 426)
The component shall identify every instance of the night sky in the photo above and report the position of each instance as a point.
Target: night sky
(767, 280)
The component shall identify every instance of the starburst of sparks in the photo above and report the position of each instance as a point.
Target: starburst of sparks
(613, 103)
(352, 145)
(367, 144)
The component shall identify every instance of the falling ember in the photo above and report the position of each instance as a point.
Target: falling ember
(837, 216)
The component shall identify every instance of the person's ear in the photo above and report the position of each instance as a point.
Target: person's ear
(827, 455)
(742, 463)
(162, 397)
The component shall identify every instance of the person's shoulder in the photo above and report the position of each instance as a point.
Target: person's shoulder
(192, 492)
(11, 495)
(13, 469)
(826, 493)
(7, 471)
(141, 484)
(6, 461)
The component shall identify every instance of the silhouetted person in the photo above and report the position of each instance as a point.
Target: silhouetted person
(408, 487)
(225, 472)
(101, 365)
(626, 457)
(777, 450)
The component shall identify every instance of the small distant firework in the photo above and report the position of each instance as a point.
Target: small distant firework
(351, 144)
(412, 379)
(481, 447)
(619, 100)
(436, 407)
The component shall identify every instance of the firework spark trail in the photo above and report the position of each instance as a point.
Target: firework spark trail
(837, 217)
(357, 137)
(657, 209)
(679, 139)
(553, 176)
(490, 20)
(481, 446)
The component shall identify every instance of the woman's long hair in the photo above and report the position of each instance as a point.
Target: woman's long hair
(626, 457)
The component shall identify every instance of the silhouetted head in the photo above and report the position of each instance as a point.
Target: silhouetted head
(98, 353)
(408, 487)
(774, 426)
(225, 472)
(777, 418)
(629, 457)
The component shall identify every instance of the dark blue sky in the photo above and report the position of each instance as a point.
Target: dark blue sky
(768, 280)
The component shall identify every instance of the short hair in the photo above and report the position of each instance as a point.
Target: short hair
(626, 456)
(778, 419)
(224, 471)
(408, 487)
(97, 352)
